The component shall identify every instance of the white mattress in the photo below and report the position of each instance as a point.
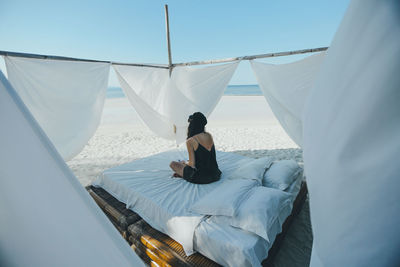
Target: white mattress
(230, 246)
(146, 186)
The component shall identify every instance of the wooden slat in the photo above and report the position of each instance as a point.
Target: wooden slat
(114, 209)
(157, 255)
(141, 252)
(166, 254)
(123, 232)
(157, 240)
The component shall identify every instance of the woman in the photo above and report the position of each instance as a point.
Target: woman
(202, 167)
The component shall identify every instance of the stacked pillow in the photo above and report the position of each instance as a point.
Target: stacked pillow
(226, 198)
(279, 174)
(249, 168)
(241, 202)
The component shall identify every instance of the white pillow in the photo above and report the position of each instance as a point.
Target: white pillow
(250, 168)
(225, 199)
(259, 211)
(281, 174)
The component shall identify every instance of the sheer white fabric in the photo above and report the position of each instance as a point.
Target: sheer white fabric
(65, 97)
(286, 88)
(162, 101)
(46, 217)
(352, 141)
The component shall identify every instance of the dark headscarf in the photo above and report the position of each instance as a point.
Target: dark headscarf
(197, 122)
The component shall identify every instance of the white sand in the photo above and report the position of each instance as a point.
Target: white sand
(242, 124)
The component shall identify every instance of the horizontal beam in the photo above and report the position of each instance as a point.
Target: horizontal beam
(206, 62)
(233, 59)
(28, 55)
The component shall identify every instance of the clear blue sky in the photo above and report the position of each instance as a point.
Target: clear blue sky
(134, 31)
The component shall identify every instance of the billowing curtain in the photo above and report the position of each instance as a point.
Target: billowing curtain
(352, 141)
(46, 217)
(286, 88)
(65, 97)
(164, 103)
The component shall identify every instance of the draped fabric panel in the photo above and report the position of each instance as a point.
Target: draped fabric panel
(286, 88)
(46, 217)
(65, 97)
(352, 141)
(164, 102)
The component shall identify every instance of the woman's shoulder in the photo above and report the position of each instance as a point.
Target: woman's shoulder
(202, 136)
(205, 139)
(208, 135)
(190, 140)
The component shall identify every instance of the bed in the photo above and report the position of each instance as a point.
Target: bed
(147, 188)
(245, 248)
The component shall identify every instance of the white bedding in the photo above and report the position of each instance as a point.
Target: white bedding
(146, 186)
(230, 246)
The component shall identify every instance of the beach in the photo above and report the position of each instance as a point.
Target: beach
(240, 124)
(301, 101)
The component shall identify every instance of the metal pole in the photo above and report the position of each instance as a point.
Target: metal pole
(168, 40)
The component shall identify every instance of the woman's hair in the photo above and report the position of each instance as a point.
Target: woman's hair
(197, 121)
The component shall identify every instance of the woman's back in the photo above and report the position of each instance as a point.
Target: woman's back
(204, 139)
(206, 166)
(205, 158)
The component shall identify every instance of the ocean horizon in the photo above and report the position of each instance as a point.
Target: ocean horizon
(238, 90)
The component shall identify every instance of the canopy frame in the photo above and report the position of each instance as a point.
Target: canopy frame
(40, 56)
(170, 65)
(205, 62)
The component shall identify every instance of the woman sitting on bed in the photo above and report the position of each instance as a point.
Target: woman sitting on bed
(202, 167)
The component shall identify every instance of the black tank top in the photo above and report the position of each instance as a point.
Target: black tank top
(206, 170)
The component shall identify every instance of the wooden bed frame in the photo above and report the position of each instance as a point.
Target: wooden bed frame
(158, 249)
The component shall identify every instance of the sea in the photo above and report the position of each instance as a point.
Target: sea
(248, 89)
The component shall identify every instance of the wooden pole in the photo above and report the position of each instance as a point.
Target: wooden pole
(38, 56)
(170, 66)
(232, 59)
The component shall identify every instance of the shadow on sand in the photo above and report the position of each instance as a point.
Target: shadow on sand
(277, 154)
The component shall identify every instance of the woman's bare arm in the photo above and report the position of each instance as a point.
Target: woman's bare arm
(190, 150)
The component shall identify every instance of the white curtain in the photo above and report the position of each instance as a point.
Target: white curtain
(162, 101)
(352, 141)
(65, 97)
(46, 217)
(286, 88)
